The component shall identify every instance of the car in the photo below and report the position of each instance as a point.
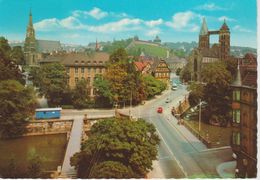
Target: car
(167, 100)
(159, 109)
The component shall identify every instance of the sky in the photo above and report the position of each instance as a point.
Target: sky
(84, 21)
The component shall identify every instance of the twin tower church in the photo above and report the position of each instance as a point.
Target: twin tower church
(35, 49)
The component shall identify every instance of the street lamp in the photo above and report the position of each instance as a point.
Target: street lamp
(199, 116)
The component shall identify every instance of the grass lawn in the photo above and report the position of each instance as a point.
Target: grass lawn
(218, 136)
(149, 50)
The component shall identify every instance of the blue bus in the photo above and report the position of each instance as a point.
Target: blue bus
(47, 113)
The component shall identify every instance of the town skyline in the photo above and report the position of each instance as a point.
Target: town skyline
(85, 21)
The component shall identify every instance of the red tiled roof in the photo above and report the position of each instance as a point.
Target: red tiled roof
(140, 65)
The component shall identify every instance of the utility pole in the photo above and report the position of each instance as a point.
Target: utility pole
(199, 115)
(130, 110)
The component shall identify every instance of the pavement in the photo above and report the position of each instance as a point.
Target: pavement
(227, 169)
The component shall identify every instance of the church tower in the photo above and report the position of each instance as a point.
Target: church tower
(204, 36)
(224, 41)
(30, 43)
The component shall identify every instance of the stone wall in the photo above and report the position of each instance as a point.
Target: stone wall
(55, 126)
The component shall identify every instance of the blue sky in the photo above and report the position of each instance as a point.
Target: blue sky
(82, 21)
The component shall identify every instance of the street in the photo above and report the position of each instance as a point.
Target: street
(180, 153)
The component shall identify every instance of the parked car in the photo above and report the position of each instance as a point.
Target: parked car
(167, 100)
(159, 109)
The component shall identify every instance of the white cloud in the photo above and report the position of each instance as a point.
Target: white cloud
(97, 13)
(153, 23)
(222, 18)
(153, 32)
(184, 21)
(125, 24)
(209, 7)
(55, 24)
(47, 25)
(241, 29)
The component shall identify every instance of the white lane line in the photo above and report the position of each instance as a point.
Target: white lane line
(178, 162)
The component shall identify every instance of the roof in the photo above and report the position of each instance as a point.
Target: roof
(204, 28)
(48, 109)
(141, 65)
(47, 46)
(249, 58)
(224, 26)
(79, 59)
(237, 81)
(250, 79)
(175, 59)
(212, 52)
(155, 64)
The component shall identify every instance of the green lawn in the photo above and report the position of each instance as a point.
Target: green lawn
(148, 50)
(218, 136)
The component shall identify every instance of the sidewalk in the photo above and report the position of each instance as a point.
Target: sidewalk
(227, 169)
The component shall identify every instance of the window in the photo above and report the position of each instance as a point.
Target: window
(236, 138)
(82, 70)
(236, 95)
(88, 80)
(76, 70)
(68, 70)
(236, 116)
(100, 70)
(76, 80)
(89, 70)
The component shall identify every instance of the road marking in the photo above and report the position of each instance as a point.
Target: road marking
(215, 149)
(178, 162)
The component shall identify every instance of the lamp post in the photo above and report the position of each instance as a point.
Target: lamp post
(199, 116)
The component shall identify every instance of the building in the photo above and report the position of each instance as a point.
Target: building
(33, 48)
(175, 62)
(142, 67)
(157, 40)
(81, 66)
(205, 54)
(244, 119)
(160, 70)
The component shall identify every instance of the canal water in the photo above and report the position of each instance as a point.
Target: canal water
(51, 149)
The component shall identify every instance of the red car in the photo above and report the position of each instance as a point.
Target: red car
(159, 109)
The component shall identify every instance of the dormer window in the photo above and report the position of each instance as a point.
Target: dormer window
(88, 62)
(100, 62)
(76, 62)
(82, 62)
(95, 62)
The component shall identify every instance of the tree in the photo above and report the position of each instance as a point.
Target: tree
(17, 106)
(34, 169)
(120, 144)
(217, 92)
(8, 68)
(185, 73)
(178, 71)
(111, 169)
(17, 55)
(119, 55)
(197, 93)
(103, 88)
(52, 81)
(153, 86)
(80, 94)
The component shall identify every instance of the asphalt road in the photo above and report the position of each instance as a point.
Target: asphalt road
(178, 156)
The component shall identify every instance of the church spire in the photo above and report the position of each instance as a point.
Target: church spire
(237, 81)
(204, 27)
(97, 45)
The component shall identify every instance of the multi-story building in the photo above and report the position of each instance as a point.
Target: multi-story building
(244, 121)
(205, 54)
(81, 66)
(160, 70)
(33, 48)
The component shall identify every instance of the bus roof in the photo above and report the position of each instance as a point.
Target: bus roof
(48, 109)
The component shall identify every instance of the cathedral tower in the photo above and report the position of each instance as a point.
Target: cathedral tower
(30, 43)
(224, 41)
(204, 36)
